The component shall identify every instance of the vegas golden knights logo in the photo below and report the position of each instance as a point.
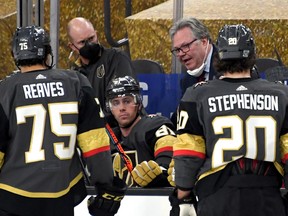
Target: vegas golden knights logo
(100, 71)
(121, 170)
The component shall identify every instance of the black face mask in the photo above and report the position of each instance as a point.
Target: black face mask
(90, 51)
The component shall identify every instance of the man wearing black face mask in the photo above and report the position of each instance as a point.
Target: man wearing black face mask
(90, 51)
(98, 63)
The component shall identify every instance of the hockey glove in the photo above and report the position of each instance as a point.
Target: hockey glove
(107, 202)
(182, 207)
(171, 174)
(146, 172)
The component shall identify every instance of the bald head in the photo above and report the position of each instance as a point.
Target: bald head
(79, 31)
(80, 28)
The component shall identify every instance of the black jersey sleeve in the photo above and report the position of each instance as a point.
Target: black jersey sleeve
(284, 150)
(93, 140)
(4, 125)
(160, 136)
(189, 151)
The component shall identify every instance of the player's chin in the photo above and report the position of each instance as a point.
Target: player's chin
(124, 123)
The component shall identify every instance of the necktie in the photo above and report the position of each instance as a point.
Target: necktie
(202, 77)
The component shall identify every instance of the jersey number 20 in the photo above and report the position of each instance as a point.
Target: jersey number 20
(242, 133)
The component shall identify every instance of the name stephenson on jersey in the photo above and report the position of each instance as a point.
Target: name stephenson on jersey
(229, 119)
(243, 101)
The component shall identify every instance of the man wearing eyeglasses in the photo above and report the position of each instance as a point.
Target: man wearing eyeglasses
(192, 45)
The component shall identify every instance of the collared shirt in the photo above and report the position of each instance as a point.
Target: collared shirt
(207, 66)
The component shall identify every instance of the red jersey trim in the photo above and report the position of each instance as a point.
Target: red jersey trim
(189, 153)
(96, 151)
(168, 148)
(285, 158)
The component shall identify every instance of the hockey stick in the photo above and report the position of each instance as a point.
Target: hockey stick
(278, 57)
(119, 148)
(83, 167)
(277, 73)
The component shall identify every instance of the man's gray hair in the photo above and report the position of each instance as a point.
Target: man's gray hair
(198, 29)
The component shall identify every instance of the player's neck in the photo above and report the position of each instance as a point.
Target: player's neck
(242, 74)
(25, 69)
(126, 131)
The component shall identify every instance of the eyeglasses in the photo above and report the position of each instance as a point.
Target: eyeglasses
(80, 44)
(90, 39)
(184, 48)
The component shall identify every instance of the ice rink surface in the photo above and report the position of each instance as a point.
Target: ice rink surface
(135, 206)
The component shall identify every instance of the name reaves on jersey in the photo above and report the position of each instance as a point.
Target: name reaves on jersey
(39, 90)
(243, 101)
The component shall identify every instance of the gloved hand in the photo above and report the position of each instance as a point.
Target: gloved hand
(107, 202)
(171, 174)
(145, 172)
(182, 207)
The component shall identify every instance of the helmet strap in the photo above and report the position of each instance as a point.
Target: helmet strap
(131, 123)
(51, 62)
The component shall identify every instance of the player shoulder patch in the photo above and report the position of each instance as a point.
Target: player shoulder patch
(200, 84)
(152, 115)
(279, 82)
(10, 75)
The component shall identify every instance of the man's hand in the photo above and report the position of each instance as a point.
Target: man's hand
(171, 174)
(145, 172)
(182, 207)
(107, 202)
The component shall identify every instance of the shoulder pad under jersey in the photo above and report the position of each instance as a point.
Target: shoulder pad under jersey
(151, 115)
(279, 82)
(11, 74)
(200, 84)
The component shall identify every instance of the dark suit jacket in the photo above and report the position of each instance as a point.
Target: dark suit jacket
(188, 80)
